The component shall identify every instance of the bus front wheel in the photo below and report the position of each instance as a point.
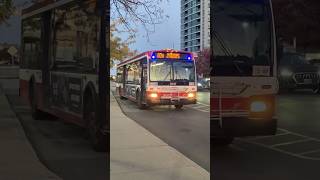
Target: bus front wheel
(179, 106)
(97, 138)
(139, 101)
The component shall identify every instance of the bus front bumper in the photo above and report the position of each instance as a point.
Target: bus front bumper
(181, 101)
(242, 126)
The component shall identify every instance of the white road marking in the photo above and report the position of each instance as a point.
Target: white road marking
(309, 152)
(200, 107)
(275, 147)
(291, 142)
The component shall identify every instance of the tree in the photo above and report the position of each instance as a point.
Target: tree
(6, 10)
(203, 62)
(119, 48)
(138, 12)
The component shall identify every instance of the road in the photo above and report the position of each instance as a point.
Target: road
(186, 130)
(63, 148)
(293, 154)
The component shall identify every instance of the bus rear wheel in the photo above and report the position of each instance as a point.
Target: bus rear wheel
(120, 94)
(179, 106)
(97, 138)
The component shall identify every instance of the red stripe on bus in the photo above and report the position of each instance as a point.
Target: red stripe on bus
(230, 103)
(24, 89)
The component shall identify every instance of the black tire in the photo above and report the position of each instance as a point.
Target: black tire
(97, 138)
(35, 112)
(179, 106)
(139, 101)
(121, 97)
(222, 141)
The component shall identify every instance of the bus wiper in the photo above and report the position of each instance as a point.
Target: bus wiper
(227, 51)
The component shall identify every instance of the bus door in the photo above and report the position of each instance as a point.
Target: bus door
(216, 103)
(144, 78)
(46, 57)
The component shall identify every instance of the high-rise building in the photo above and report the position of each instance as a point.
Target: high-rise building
(195, 24)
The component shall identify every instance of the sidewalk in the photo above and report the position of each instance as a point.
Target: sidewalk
(18, 160)
(136, 154)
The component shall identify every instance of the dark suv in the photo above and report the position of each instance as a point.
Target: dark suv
(295, 72)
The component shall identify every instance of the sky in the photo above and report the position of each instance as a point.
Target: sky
(166, 35)
(10, 33)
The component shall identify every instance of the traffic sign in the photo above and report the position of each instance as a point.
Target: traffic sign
(12, 51)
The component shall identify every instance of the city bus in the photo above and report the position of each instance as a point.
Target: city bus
(243, 70)
(161, 77)
(63, 70)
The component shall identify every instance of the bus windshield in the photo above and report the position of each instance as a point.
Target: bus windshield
(242, 33)
(172, 70)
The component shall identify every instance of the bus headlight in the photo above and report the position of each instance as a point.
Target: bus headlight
(258, 106)
(191, 95)
(153, 95)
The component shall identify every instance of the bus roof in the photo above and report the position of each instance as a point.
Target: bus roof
(148, 54)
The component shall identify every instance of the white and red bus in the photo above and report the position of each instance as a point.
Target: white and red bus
(162, 77)
(63, 68)
(244, 70)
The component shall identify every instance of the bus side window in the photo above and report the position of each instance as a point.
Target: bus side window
(120, 75)
(130, 74)
(137, 73)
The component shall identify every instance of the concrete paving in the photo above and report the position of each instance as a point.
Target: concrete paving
(9, 79)
(17, 157)
(136, 154)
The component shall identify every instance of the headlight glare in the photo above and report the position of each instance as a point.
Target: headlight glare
(191, 95)
(154, 95)
(258, 106)
(286, 72)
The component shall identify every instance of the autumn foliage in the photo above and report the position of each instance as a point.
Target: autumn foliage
(203, 63)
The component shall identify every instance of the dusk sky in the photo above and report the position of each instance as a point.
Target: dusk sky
(10, 32)
(166, 35)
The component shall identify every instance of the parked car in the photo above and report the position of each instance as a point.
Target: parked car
(203, 83)
(295, 72)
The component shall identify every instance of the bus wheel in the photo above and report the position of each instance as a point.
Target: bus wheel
(139, 101)
(179, 106)
(120, 94)
(97, 138)
(222, 141)
(35, 112)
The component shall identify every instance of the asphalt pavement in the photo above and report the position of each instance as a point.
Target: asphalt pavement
(293, 154)
(186, 130)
